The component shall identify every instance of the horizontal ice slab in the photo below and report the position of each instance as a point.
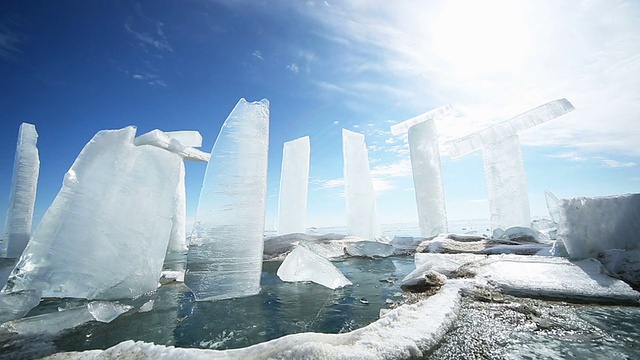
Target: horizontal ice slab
(189, 138)
(555, 277)
(531, 118)
(589, 226)
(26, 168)
(304, 265)
(429, 115)
(16, 305)
(106, 233)
(164, 141)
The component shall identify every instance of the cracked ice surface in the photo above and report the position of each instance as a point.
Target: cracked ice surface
(294, 184)
(230, 219)
(26, 168)
(362, 214)
(106, 233)
(531, 118)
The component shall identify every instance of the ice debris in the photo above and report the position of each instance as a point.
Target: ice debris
(303, 264)
(107, 311)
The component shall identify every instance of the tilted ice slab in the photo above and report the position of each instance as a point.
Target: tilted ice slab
(24, 183)
(362, 214)
(407, 332)
(589, 226)
(426, 169)
(303, 264)
(231, 210)
(554, 277)
(513, 126)
(17, 304)
(294, 185)
(106, 233)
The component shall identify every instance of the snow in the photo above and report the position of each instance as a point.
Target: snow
(506, 183)
(427, 178)
(589, 226)
(554, 277)
(24, 183)
(408, 331)
(531, 118)
(362, 214)
(303, 264)
(230, 217)
(294, 186)
(106, 233)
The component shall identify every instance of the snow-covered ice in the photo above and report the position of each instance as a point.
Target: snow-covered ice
(362, 214)
(231, 209)
(303, 264)
(294, 186)
(446, 264)
(24, 182)
(106, 233)
(589, 226)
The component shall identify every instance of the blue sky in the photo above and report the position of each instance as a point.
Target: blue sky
(73, 68)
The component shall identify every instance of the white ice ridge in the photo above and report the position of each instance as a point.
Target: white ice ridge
(229, 222)
(165, 141)
(362, 214)
(590, 226)
(531, 118)
(106, 233)
(303, 264)
(404, 126)
(294, 184)
(407, 332)
(26, 167)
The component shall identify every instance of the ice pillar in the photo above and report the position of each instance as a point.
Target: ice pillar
(506, 183)
(225, 256)
(426, 169)
(362, 214)
(294, 184)
(24, 183)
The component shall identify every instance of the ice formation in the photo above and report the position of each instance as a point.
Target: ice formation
(303, 264)
(106, 233)
(294, 184)
(553, 205)
(425, 166)
(50, 323)
(17, 304)
(369, 249)
(362, 214)
(589, 226)
(26, 167)
(231, 210)
(107, 311)
(503, 165)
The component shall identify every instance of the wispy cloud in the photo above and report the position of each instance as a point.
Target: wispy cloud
(10, 39)
(572, 156)
(150, 79)
(157, 40)
(618, 164)
(293, 68)
(257, 54)
(328, 184)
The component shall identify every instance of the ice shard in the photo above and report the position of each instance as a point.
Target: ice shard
(26, 167)
(553, 205)
(506, 183)
(503, 164)
(362, 214)
(294, 184)
(106, 233)
(231, 211)
(303, 264)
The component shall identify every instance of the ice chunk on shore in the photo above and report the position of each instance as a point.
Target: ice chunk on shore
(303, 264)
(106, 233)
(589, 226)
(556, 278)
(294, 185)
(51, 323)
(24, 183)
(513, 126)
(368, 249)
(231, 210)
(362, 214)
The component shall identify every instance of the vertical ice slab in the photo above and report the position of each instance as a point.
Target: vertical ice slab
(106, 233)
(362, 214)
(26, 167)
(426, 169)
(506, 183)
(231, 210)
(294, 184)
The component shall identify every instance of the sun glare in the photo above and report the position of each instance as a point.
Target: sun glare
(481, 37)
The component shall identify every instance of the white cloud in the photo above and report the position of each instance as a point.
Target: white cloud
(9, 40)
(401, 168)
(293, 68)
(329, 184)
(151, 79)
(145, 39)
(257, 54)
(618, 164)
(572, 156)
